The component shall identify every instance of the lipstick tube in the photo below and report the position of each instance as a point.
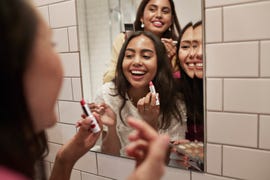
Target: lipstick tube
(94, 125)
(153, 90)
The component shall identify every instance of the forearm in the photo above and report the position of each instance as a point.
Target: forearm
(62, 167)
(111, 143)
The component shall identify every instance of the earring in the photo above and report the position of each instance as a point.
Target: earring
(142, 25)
(170, 29)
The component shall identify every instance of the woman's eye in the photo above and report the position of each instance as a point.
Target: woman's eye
(166, 11)
(152, 9)
(146, 57)
(185, 47)
(128, 56)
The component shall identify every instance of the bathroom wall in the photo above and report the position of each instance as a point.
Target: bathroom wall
(237, 84)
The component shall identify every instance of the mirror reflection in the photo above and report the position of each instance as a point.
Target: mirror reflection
(152, 70)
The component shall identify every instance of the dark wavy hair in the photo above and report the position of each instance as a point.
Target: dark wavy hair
(21, 148)
(163, 81)
(175, 28)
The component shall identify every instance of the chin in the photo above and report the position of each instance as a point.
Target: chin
(45, 122)
(199, 75)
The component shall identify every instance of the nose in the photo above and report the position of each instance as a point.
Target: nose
(192, 53)
(137, 60)
(198, 52)
(159, 14)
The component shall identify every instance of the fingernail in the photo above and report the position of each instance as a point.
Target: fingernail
(93, 126)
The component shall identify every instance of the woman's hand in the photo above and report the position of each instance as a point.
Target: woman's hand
(70, 152)
(149, 150)
(107, 115)
(83, 140)
(170, 46)
(110, 141)
(149, 110)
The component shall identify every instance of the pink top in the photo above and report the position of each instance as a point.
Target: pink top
(9, 174)
(177, 75)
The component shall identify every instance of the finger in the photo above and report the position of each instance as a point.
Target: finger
(153, 100)
(133, 136)
(145, 130)
(83, 116)
(140, 105)
(78, 124)
(147, 102)
(85, 123)
(137, 146)
(168, 40)
(98, 119)
(181, 141)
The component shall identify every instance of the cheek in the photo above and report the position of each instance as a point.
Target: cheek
(168, 19)
(152, 66)
(182, 57)
(43, 81)
(125, 67)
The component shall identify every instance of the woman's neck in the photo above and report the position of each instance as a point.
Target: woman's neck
(136, 94)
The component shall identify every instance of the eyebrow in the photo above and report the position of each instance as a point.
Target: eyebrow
(186, 41)
(142, 51)
(156, 6)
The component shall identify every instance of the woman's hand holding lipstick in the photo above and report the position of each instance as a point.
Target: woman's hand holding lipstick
(81, 143)
(149, 110)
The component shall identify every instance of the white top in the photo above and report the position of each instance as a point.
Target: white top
(107, 94)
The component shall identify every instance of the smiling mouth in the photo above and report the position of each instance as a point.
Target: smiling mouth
(199, 64)
(190, 65)
(157, 23)
(137, 73)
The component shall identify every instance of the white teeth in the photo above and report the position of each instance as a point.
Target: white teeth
(191, 64)
(156, 23)
(199, 64)
(137, 72)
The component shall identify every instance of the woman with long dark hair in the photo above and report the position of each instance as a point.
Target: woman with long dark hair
(142, 59)
(158, 17)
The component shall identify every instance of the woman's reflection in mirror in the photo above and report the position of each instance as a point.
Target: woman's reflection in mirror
(158, 17)
(142, 59)
(198, 46)
(190, 64)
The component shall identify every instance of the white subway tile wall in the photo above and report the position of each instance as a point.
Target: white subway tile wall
(265, 56)
(214, 158)
(213, 25)
(237, 93)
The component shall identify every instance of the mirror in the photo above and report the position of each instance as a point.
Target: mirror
(99, 24)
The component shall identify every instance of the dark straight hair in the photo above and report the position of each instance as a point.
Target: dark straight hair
(21, 148)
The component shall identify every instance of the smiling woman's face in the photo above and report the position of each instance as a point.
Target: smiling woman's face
(197, 39)
(140, 62)
(157, 16)
(186, 54)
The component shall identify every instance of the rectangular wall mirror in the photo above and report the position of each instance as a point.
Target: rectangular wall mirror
(100, 22)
